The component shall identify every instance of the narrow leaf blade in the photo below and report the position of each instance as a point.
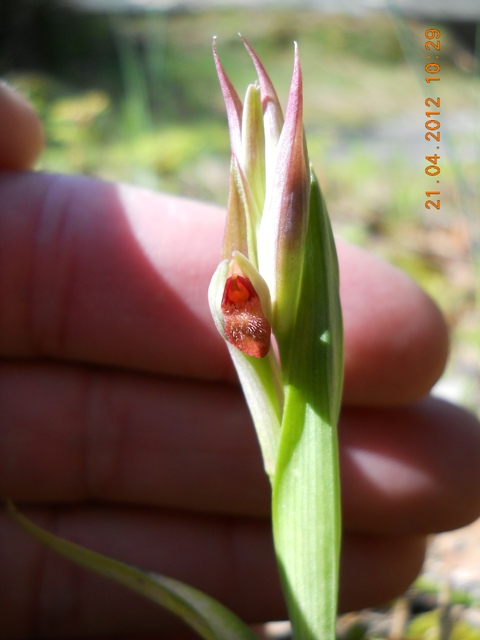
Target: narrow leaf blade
(210, 619)
(306, 490)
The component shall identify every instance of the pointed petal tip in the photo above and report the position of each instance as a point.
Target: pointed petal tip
(248, 46)
(232, 101)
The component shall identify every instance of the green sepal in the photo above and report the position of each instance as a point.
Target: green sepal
(210, 619)
(248, 207)
(235, 236)
(253, 145)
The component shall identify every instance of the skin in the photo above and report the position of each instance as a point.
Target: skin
(21, 132)
(122, 426)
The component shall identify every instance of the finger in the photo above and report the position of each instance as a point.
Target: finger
(90, 434)
(119, 276)
(410, 469)
(396, 341)
(106, 274)
(21, 131)
(221, 557)
(375, 569)
(97, 435)
(230, 559)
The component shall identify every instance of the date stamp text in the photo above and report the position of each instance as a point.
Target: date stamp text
(432, 124)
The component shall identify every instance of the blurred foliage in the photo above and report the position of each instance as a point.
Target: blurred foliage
(429, 626)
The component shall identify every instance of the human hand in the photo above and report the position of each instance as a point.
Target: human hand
(122, 427)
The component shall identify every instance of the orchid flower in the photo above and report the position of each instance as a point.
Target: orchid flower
(279, 272)
(275, 300)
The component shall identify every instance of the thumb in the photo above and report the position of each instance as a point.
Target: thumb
(21, 131)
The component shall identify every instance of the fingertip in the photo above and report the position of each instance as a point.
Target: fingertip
(396, 339)
(410, 469)
(376, 569)
(21, 131)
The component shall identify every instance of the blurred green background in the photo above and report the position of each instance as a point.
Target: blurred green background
(133, 96)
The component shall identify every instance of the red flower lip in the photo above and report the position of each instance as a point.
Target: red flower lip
(245, 324)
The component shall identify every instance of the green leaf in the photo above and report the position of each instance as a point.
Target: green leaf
(210, 619)
(306, 490)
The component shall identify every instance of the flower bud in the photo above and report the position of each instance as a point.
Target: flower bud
(267, 216)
